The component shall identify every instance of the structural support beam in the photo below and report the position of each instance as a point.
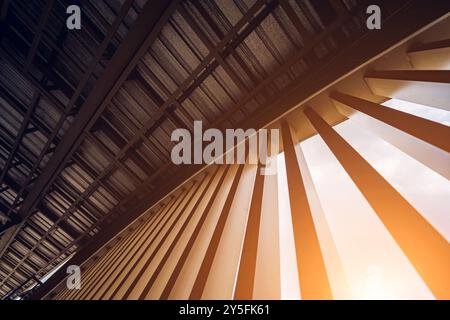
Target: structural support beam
(205, 268)
(426, 249)
(193, 198)
(20, 135)
(432, 132)
(338, 282)
(431, 88)
(63, 224)
(431, 56)
(140, 37)
(228, 177)
(434, 158)
(311, 268)
(247, 264)
(217, 175)
(10, 223)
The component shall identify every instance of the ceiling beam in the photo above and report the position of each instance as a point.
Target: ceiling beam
(64, 225)
(141, 35)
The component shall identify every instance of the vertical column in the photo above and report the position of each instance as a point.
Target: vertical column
(205, 268)
(187, 267)
(170, 251)
(267, 283)
(221, 281)
(338, 281)
(311, 267)
(427, 250)
(247, 264)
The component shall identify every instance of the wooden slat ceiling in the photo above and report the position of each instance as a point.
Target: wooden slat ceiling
(216, 61)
